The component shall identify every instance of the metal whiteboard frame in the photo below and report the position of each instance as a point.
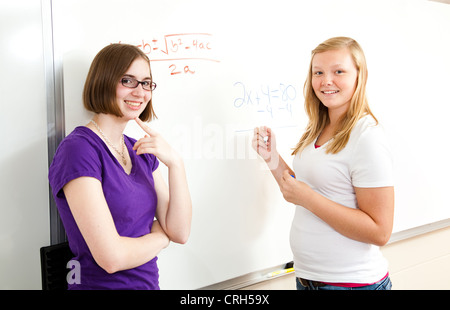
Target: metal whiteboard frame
(55, 109)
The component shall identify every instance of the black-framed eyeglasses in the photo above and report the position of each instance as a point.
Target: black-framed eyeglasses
(133, 83)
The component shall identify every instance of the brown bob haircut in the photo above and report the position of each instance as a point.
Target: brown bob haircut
(107, 68)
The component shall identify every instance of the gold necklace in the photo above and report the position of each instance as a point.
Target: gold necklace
(122, 154)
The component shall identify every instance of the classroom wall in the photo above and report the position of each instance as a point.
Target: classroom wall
(418, 263)
(24, 211)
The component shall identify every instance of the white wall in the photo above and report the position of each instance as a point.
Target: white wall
(24, 215)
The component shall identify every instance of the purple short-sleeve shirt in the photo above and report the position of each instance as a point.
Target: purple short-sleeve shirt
(131, 199)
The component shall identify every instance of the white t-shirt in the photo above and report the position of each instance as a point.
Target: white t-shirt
(320, 252)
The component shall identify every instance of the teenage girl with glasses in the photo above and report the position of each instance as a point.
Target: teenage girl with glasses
(108, 187)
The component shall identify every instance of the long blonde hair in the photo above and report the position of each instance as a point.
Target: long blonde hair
(318, 113)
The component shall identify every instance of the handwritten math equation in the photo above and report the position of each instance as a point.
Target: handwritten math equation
(270, 99)
(180, 51)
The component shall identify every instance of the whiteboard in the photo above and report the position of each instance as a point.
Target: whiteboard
(223, 68)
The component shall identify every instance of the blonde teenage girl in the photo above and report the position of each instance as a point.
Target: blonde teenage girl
(343, 186)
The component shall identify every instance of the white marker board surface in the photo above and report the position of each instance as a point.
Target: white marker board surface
(224, 67)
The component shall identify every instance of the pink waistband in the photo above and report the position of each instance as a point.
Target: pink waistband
(355, 284)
